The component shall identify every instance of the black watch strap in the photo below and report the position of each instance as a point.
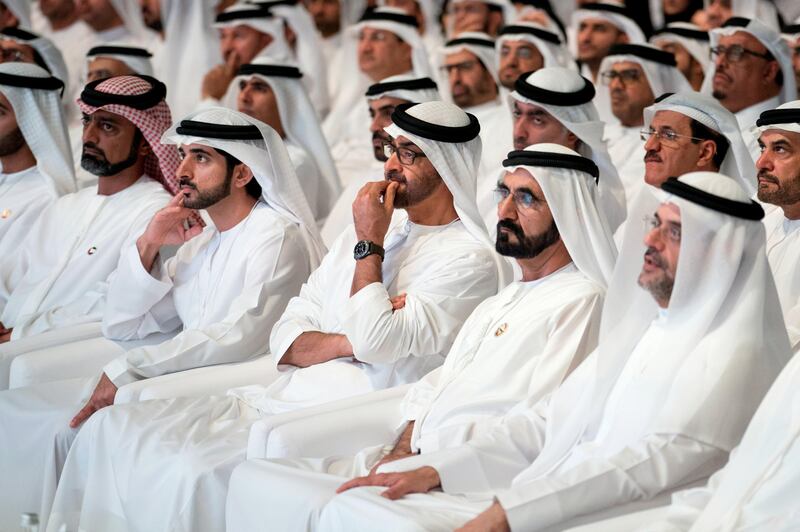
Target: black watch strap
(365, 248)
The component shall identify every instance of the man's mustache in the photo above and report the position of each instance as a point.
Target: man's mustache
(766, 176)
(94, 147)
(395, 176)
(511, 226)
(186, 183)
(656, 258)
(652, 156)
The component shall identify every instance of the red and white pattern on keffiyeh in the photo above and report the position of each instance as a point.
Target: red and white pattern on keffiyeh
(163, 163)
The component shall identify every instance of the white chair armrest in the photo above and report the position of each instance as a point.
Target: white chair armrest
(337, 428)
(200, 382)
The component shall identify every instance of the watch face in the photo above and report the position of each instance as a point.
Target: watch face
(361, 249)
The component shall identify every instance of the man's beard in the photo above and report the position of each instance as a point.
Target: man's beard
(408, 196)
(11, 143)
(207, 198)
(661, 287)
(785, 194)
(99, 165)
(526, 247)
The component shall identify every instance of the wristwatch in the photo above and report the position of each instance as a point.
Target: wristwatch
(365, 248)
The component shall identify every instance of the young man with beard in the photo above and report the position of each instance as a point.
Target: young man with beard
(222, 292)
(347, 333)
(521, 343)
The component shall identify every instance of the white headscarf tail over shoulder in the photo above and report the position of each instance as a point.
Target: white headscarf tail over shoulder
(268, 160)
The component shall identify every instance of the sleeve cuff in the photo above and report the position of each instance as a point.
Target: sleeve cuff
(525, 513)
(373, 296)
(118, 372)
(288, 333)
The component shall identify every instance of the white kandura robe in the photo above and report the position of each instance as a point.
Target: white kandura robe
(616, 466)
(56, 278)
(51, 280)
(188, 447)
(520, 343)
(757, 489)
(626, 149)
(23, 197)
(783, 253)
(226, 289)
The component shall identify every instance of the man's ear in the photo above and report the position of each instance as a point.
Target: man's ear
(708, 150)
(144, 147)
(771, 70)
(242, 175)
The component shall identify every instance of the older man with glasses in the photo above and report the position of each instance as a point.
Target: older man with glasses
(751, 72)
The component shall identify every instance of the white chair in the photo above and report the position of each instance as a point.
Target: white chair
(14, 349)
(338, 428)
(200, 382)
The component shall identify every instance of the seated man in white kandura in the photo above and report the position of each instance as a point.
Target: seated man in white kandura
(58, 276)
(641, 415)
(521, 343)
(347, 333)
(224, 290)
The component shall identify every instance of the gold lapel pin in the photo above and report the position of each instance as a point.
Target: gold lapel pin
(501, 330)
(91, 251)
(5, 213)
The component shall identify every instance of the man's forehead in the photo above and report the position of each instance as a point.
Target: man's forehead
(668, 44)
(370, 30)
(460, 56)
(531, 108)
(670, 118)
(669, 212)
(385, 101)
(195, 146)
(403, 142)
(111, 117)
(742, 38)
(775, 135)
(599, 22)
(519, 42)
(626, 65)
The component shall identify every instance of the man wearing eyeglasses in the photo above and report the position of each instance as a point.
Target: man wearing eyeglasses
(640, 417)
(382, 98)
(751, 72)
(692, 132)
(519, 344)
(632, 77)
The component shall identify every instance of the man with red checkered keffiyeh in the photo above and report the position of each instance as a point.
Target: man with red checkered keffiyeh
(57, 278)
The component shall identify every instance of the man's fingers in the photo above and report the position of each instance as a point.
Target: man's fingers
(176, 200)
(388, 197)
(83, 415)
(353, 483)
